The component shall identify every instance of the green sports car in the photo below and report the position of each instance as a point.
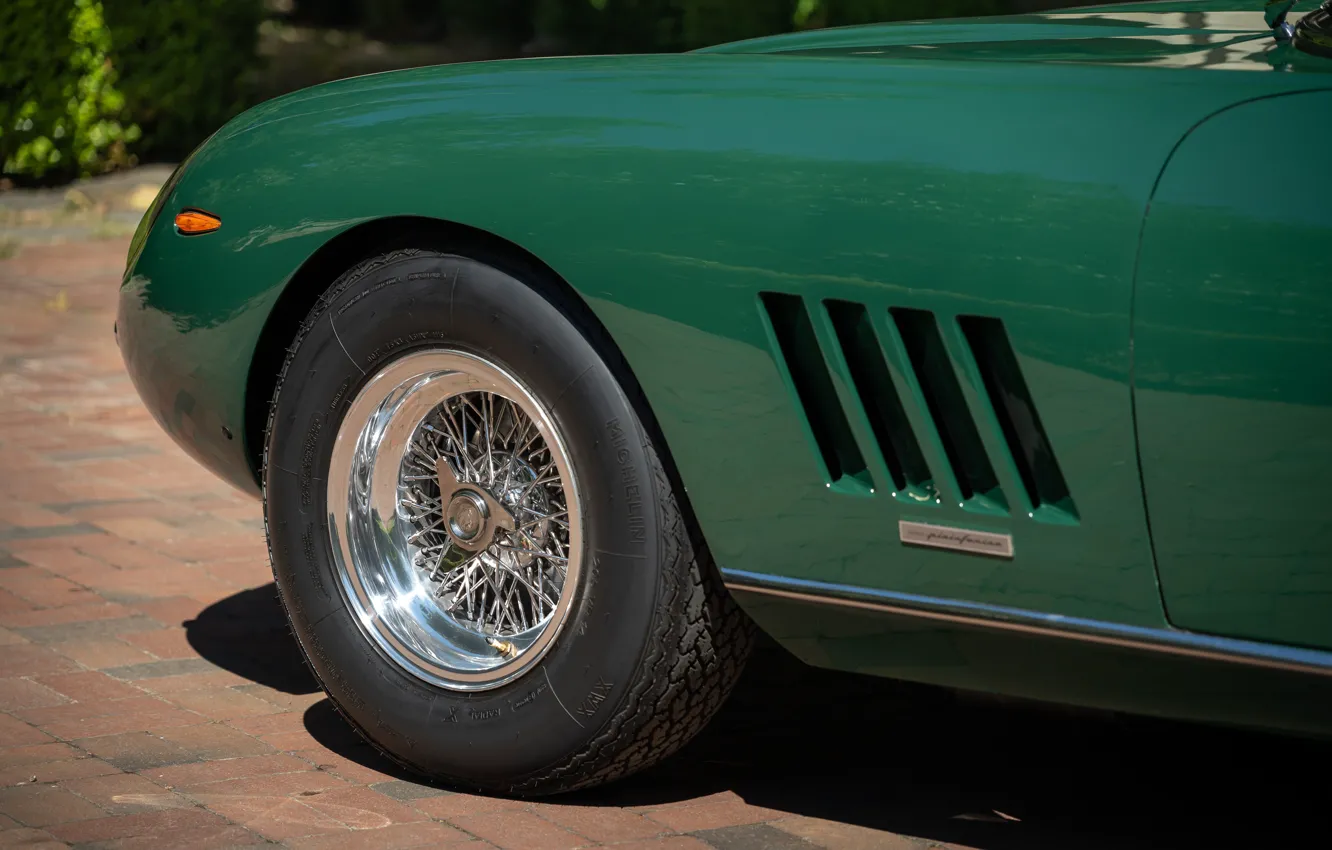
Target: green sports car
(990, 353)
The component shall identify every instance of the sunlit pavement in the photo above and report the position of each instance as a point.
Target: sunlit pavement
(151, 694)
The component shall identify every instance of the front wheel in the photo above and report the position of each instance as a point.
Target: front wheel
(475, 540)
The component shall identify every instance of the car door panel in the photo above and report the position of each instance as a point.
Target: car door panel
(1233, 373)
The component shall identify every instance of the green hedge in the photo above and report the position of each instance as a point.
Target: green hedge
(616, 26)
(668, 25)
(94, 84)
(62, 113)
(184, 66)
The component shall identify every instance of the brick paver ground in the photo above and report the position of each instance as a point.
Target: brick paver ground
(150, 694)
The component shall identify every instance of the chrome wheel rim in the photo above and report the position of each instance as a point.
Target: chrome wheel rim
(454, 519)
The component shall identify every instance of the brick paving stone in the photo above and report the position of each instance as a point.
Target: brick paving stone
(400, 836)
(163, 643)
(89, 685)
(122, 597)
(55, 771)
(124, 554)
(138, 528)
(202, 525)
(65, 562)
(88, 629)
(282, 699)
(97, 610)
(160, 669)
(213, 590)
(518, 830)
(297, 741)
(249, 572)
(269, 724)
(32, 660)
(665, 842)
(599, 823)
(125, 793)
(37, 754)
(711, 815)
(102, 653)
(223, 704)
(16, 733)
(28, 545)
(33, 532)
(453, 806)
(275, 818)
(754, 836)
(370, 769)
(286, 731)
(167, 685)
(31, 839)
(26, 514)
(215, 741)
(24, 693)
(41, 589)
(404, 791)
(171, 610)
(301, 741)
(191, 775)
(200, 837)
(835, 835)
(149, 582)
(685, 802)
(134, 751)
(45, 805)
(11, 604)
(307, 782)
(51, 716)
(87, 509)
(189, 827)
(196, 549)
(362, 808)
(37, 488)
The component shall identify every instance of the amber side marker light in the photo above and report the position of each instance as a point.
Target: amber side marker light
(196, 222)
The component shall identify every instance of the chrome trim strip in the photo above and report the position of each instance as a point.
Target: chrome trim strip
(1189, 644)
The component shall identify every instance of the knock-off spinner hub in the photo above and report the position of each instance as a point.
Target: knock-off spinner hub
(471, 516)
(467, 516)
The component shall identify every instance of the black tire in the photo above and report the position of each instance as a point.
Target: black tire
(652, 644)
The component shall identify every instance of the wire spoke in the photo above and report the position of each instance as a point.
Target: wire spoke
(514, 584)
(536, 553)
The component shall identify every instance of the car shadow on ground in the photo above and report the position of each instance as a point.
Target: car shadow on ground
(909, 759)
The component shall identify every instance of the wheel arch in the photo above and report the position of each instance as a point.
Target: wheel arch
(377, 236)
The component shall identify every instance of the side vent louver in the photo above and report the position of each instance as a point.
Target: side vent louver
(1013, 407)
(808, 373)
(900, 371)
(874, 385)
(948, 407)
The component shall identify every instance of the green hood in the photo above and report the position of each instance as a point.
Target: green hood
(1227, 34)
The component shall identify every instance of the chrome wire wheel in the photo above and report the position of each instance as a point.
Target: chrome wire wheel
(454, 519)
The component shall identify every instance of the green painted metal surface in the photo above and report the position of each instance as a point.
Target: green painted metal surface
(672, 191)
(1233, 350)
